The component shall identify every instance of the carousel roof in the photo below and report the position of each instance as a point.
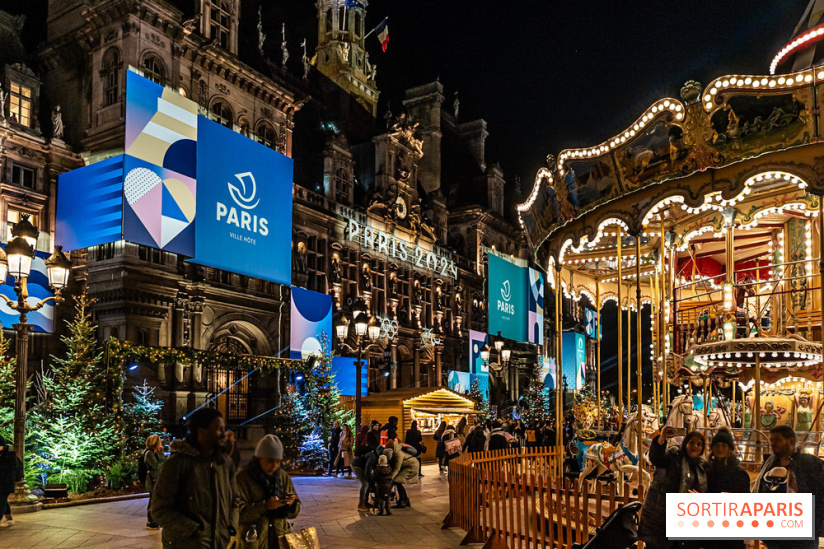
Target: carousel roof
(804, 49)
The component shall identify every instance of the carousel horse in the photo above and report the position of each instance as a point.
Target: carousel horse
(683, 414)
(629, 444)
(603, 456)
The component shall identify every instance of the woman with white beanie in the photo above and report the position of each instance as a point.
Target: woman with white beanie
(267, 497)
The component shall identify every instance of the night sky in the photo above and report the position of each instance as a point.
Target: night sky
(545, 75)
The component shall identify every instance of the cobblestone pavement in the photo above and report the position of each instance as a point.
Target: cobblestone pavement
(330, 505)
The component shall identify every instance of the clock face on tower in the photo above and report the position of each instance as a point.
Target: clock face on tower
(400, 208)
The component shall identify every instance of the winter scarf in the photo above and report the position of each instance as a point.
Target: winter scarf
(271, 484)
(693, 476)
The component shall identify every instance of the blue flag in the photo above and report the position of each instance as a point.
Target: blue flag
(354, 4)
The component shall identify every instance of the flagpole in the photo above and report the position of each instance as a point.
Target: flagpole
(376, 27)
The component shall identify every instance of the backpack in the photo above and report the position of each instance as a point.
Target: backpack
(142, 469)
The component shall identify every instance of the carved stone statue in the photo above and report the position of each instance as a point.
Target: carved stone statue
(428, 231)
(366, 278)
(306, 64)
(335, 269)
(414, 216)
(550, 162)
(2, 103)
(393, 283)
(418, 292)
(283, 47)
(459, 298)
(261, 36)
(343, 51)
(406, 130)
(438, 298)
(300, 258)
(57, 123)
(456, 105)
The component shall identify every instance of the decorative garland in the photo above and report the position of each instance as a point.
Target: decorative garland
(121, 352)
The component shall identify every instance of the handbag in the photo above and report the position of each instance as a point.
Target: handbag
(423, 448)
(303, 539)
(452, 446)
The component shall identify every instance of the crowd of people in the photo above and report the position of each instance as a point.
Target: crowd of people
(199, 497)
(682, 468)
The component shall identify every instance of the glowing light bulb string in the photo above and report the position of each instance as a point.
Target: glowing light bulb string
(256, 369)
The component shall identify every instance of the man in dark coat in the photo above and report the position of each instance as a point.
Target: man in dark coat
(497, 438)
(9, 466)
(805, 476)
(373, 438)
(334, 445)
(391, 428)
(476, 440)
(195, 499)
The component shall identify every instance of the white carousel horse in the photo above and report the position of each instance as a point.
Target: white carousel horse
(629, 444)
(683, 414)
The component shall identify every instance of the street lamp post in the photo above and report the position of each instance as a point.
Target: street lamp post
(16, 261)
(366, 329)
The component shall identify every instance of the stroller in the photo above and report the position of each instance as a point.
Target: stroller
(368, 470)
(619, 531)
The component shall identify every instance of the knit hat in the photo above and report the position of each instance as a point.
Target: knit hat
(374, 422)
(382, 460)
(270, 447)
(723, 435)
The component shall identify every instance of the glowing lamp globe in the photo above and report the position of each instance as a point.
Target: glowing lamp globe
(59, 268)
(19, 255)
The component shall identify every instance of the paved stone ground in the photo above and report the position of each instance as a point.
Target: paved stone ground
(330, 505)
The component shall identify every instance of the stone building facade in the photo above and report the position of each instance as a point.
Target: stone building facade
(392, 210)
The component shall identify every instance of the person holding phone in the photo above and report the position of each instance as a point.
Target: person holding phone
(267, 497)
(677, 470)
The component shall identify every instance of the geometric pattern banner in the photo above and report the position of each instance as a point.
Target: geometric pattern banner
(477, 340)
(186, 185)
(160, 185)
(535, 328)
(461, 382)
(575, 361)
(90, 205)
(311, 316)
(42, 320)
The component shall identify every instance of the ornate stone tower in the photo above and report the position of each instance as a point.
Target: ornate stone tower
(341, 53)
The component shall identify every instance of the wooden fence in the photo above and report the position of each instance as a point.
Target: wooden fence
(516, 498)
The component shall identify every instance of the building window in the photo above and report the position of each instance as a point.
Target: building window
(220, 25)
(12, 217)
(328, 20)
(222, 114)
(154, 71)
(203, 94)
(111, 77)
(244, 127)
(22, 176)
(357, 25)
(266, 135)
(153, 255)
(20, 104)
(341, 186)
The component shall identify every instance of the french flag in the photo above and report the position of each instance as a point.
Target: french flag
(382, 31)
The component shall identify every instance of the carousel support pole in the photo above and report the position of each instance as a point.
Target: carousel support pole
(629, 350)
(756, 409)
(706, 405)
(820, 292)
(598, 344)
(639, 355)
(662, 359)
(559, 390)
(732, 385)
(620, 337)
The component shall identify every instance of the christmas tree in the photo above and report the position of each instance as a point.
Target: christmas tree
(481, 401)
(290, 425)
(585, 408)
(75, 404)
(8, 389)
(322, 399)
(536, 407)
(141, 419)
(313, 452)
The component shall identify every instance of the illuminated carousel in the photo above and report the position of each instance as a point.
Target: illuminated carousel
(707, 209)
